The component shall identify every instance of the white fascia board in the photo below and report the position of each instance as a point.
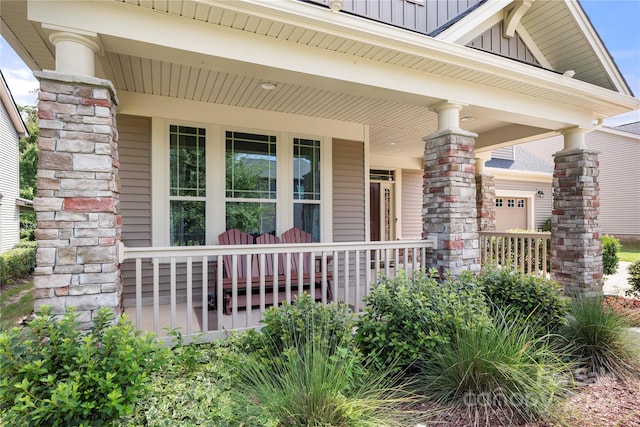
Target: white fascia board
(619, 133)
(519, 175)
(475, 23)
(12, 110)
(599, 48)
(138, 24)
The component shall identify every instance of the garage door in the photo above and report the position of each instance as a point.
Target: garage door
(511, 213)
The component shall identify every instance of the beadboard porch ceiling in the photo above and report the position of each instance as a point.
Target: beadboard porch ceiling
(397, 120)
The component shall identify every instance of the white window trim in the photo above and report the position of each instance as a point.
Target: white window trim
(215, 154)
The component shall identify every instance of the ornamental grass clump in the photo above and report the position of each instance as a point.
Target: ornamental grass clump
(506, 368)
(313, 376)
(600, 340)
(54, 374)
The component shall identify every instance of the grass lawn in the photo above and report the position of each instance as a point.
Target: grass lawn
(630, 251)
(15, 303)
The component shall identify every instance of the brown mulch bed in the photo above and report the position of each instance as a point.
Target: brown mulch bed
(629, 307)
(603, 403)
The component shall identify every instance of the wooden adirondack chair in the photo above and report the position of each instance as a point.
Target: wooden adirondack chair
(309, 269)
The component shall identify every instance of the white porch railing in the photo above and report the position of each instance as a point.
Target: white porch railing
(527, 251)
(174, 287)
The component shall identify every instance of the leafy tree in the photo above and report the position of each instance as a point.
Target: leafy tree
(28, 161)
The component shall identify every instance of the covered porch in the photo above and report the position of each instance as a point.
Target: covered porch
(353, 99)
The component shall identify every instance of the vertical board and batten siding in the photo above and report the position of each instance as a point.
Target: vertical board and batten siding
(541, 207)
(494, 41)
(423, 17)
(9, 183)
(412, 197)
(619, 157)
(134, 149)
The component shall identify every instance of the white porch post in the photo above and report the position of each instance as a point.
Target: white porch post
(77, 203)
(576, 249)
(449, 204)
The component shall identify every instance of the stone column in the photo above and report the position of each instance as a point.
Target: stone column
(485, 194)
(77, 202)
(449, 206)
(576, 249)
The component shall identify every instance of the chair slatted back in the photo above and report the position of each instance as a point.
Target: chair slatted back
(295, 235)
(234, 236)
(269, 239)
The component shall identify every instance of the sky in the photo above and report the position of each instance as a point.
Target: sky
(616, 21)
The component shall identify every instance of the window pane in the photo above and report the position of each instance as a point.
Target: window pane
(250, 165)
(306, 216)
(306, 169)
(251, 217)
(187, 161)
(187, 220)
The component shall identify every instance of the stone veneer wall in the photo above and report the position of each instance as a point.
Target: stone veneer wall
(77, 203)
(449, 207)
(486, 201)
(576, 249)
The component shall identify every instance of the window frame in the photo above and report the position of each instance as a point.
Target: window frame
(215, 179)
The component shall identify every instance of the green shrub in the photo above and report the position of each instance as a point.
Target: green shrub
(537, 298)
(600, 340)
(289, 324)
(546, 226)
(196, 386)
(610, 248)
(53, 374)
(316, 385)
(407, 318)
(634, 278)
(505, 367)
(17, 262)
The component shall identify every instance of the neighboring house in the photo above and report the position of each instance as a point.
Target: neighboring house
(619, 178)
(11, 129)
(523, 188)
(387, 103)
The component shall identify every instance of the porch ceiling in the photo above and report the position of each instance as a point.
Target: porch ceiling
(394, 116)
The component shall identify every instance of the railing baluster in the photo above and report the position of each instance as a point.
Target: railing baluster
(205, 294)
(537, 259)
(312, 268)
(221, 296)
(172, 293)
(139, 293)
(248, 296)
(156, 296)
(275, 285)
(234, 291)
(288, 279)
(189, 296)
(263, 260)
(367, 269)
(386, 262)
(346, 277)
(335, 277)
(356, 303)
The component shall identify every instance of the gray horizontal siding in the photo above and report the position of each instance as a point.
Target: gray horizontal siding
(411, 204)
(348, 191)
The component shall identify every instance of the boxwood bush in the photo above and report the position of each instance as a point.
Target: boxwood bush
(524, 295)
(54, 374)
(610, 248)
(408, 317)
(17, 262)
(634, 278)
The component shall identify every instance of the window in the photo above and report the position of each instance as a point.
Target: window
(498, 203)
(511, 203)
(521, 203)
(187, 188)
(306, 186)
(250, 182)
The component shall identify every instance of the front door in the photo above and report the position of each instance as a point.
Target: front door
(382, 211)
